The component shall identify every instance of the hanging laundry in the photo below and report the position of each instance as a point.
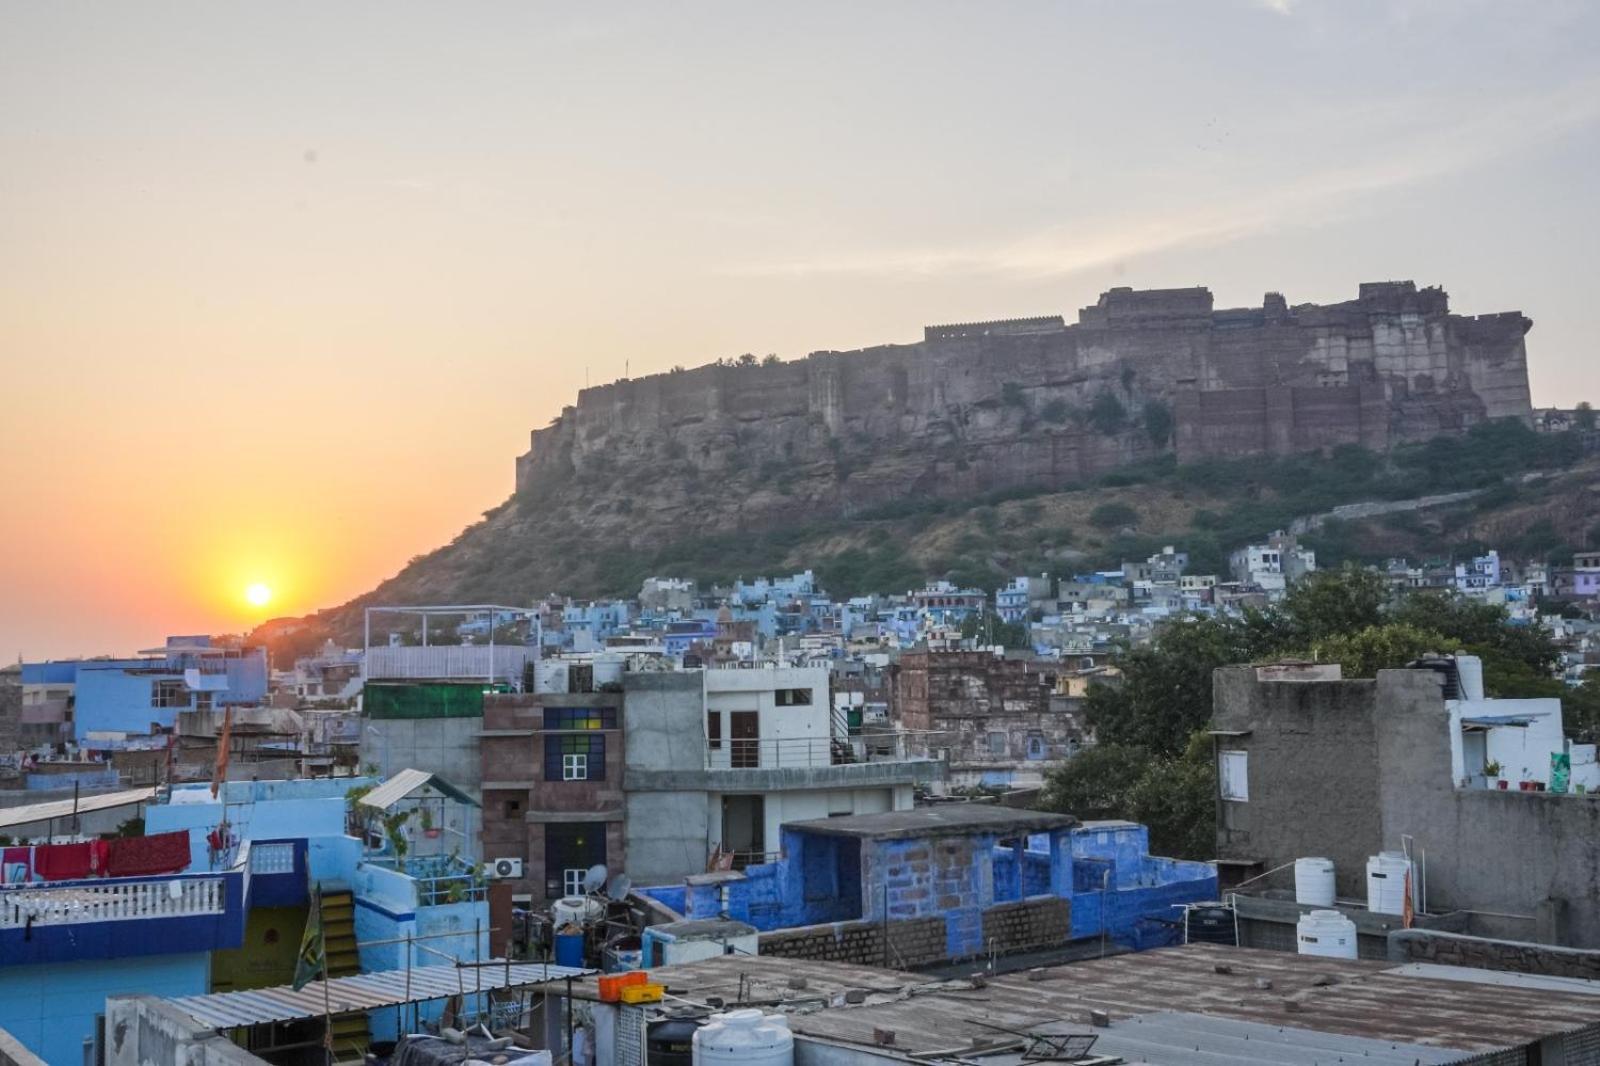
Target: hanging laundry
(99, 852)
(61, 862)
(163, 853)
(16, 865)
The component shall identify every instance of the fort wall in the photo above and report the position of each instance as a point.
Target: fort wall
(1036, 401)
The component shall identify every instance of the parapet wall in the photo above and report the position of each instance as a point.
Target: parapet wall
(1033, 401)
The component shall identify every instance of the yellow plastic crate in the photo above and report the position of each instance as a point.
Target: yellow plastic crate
(643, 993)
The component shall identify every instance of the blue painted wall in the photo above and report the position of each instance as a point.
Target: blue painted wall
(51, 1008)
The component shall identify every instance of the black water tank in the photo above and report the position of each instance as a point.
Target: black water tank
(1211, 924)
(1446, 669)
(671, 1042)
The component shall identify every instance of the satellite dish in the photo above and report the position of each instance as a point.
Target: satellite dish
(595, 879)
(618, 886)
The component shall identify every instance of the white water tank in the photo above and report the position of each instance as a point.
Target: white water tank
(575, 910)
(747, 1037)
(1386, 882)
(1313, 882)
(1326, 933)
(1469, 673)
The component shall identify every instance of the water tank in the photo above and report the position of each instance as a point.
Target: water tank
(575, 910)
(671, 1042)
(1313, 882)
(1469, 672)
(1326, 933)
(1386, 882)
(745, 1037)
(1210, 923)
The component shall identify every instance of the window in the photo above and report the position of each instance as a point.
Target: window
(580, 718)
(1035, 745)
(570, 848)
(714, 730)
(792, 697)
(999, 743)
(1233, 776)
(169, 694)
(512, 808)
(565, 755)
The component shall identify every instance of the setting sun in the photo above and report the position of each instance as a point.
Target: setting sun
(258, 595)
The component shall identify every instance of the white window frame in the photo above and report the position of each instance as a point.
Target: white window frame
(1233, 776)
(572, 880)
(575, 767)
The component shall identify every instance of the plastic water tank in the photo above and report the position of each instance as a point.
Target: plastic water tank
(1469, 671)
(575, 910)
(1210, 923)
(746, 1037)
(1386, 882)
(1313, 882)
(1326, 933)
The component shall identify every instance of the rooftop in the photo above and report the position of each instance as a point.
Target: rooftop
(950, 819)
(1333, 1002)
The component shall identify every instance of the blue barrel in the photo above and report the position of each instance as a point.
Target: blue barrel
(569, 949)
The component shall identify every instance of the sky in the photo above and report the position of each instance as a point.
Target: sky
(284, 286)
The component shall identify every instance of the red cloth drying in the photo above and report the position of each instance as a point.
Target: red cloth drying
(11, 859)
(164, 853)
(99, 851)
(61, 862)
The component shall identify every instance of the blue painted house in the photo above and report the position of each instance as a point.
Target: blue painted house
(951, 882)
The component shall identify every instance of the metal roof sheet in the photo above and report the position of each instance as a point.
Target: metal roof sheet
(43, 812)
(1178, 1039)
(405, 782)
(362, 992)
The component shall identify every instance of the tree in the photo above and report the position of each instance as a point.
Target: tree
(1097, 782)
(1381, 647)
(1106, 414)
(1584, 415)
(1113, 515)
(747, 359)
(1158, 422)
(991, 630)
(1332, 602)
(772, 360)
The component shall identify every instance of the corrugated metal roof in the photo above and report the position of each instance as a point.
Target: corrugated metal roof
(1174, 1039)
(408, 781)
(361, 992)
(43, 812)
(1504, 978)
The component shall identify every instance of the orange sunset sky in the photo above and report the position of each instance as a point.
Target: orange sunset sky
(284, 286)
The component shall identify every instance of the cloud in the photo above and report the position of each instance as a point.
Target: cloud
(1409, 156)
(1277, 7)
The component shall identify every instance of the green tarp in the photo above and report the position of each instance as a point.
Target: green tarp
(431, 700)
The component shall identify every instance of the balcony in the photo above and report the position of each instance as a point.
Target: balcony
(109, 918)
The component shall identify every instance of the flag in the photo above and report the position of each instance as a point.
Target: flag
(1407, 912)
(312, 960)
(224, 742)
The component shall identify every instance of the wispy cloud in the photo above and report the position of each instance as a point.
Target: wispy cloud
(1278, 7)
(1409, 157)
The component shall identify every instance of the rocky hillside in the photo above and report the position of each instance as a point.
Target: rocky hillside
(1533, 495)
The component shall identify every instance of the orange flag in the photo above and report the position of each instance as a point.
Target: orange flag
(1407, 912)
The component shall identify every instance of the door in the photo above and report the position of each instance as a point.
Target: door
(744, 729)
(744, 829)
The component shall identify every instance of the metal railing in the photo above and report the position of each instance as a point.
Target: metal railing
(112, 901)
(796, 752)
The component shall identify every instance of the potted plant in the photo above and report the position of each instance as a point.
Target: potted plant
(429, 830)
(1491, 771)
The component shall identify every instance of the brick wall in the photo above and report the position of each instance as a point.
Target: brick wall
(1029, 923)
(1018, 926)
(917, 942)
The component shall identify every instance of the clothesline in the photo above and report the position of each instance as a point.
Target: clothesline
(148, 856)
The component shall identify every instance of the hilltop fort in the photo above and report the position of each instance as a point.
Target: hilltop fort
(1036, 401)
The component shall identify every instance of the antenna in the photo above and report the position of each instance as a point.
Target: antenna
(595, 879)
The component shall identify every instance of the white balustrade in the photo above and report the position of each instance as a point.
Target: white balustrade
(111, 901)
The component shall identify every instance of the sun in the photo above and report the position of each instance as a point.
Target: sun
(258, 594)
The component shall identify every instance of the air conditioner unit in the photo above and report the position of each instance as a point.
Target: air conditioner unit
(505, 867)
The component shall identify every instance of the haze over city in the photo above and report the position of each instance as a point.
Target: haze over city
(283, 289)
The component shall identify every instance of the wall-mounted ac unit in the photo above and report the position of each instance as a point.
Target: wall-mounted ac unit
(505, 867)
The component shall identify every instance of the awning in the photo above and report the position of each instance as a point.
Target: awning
(43, 812)
(364, 992)
(405, 783)
(1495, 721)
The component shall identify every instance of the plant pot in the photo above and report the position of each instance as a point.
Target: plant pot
(1525, 786)
(1502, 784)
(432, 834)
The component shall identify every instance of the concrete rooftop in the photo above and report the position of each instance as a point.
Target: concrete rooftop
(948, 819)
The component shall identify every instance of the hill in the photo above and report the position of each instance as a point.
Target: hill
(1532, 496)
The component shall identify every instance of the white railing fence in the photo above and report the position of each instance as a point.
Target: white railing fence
(110, 902)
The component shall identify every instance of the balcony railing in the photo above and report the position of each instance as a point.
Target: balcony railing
(80, 902)
(754, 754)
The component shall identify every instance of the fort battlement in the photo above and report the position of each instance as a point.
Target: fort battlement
(983, 405)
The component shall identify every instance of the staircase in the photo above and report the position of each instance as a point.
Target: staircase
(350, 1033)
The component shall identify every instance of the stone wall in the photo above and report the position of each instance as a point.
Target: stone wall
(988, 405)
(1454, 949)
(1028, 924)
